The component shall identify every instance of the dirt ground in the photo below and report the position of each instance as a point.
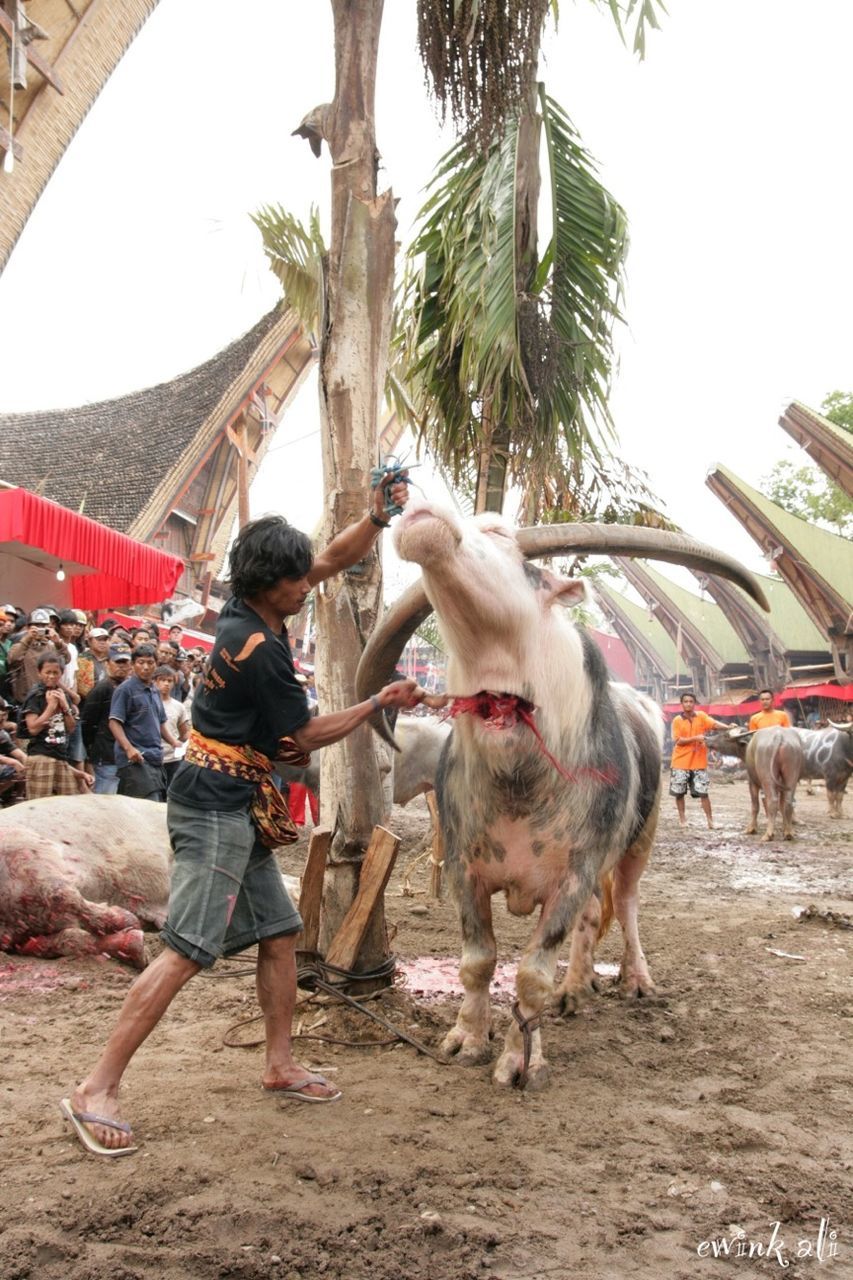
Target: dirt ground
(667, 1126)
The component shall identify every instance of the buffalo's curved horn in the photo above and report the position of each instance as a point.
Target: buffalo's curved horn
(383, 649)
(635, 540)
(843, 728)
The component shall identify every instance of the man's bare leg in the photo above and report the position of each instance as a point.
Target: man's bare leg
(146, 1002)
(276, 987)
(679, 804)
(706, 806)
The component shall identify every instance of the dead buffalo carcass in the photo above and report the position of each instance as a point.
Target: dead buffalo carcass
(82, 875)
(774, 764)
(828, 754)
(551, 776)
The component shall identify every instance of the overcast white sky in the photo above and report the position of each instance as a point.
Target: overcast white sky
(729, 147)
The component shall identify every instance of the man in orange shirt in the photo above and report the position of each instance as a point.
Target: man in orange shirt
(767, 718)
(689, 766)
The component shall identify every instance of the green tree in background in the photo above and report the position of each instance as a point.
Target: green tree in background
(806, 491)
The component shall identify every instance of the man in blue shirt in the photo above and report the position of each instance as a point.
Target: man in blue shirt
(138, 724)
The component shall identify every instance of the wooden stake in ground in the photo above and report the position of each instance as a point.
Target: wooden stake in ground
(375, 874)
(437, 855)
(311, 893)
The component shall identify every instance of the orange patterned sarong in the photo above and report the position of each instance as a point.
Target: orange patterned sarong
(268, 809)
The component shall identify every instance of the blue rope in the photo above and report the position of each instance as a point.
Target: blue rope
(391, 471)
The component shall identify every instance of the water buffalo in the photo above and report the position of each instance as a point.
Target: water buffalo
(774, 763)
(82, 875)
(828, 754)
(414, 767)
(551, 777)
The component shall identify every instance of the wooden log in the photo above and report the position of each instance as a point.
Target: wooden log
(375, 873)
(437, 855)
(311, 893)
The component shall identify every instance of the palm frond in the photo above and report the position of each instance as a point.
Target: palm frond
(477, 351)
(646, 13)
(296, 255)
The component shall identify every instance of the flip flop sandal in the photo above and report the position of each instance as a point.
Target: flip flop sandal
(80, 1119)
(295, 1090)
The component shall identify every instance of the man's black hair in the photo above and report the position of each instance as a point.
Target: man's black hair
(761, 692)
(162, 672)
(688, 693)
(143, 651)
(50, 655)
(265, 551)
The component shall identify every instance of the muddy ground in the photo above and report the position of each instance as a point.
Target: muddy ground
(725, 1105)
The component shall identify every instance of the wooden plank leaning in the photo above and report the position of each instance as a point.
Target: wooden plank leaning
(375, 873)
(311, 893)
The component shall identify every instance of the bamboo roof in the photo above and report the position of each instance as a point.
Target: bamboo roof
(829, 445)
(76, 48)
(640, 631)
(788, 618)
(706, 616)
(125, 461)
(815, 564)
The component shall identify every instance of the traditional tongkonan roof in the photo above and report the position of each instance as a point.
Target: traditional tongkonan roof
(815, 564)
(645, 637)
(56, 58)
(830, 446)
(163, 463)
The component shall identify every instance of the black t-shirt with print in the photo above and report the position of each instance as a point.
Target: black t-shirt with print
(249, 696)
(53, 739)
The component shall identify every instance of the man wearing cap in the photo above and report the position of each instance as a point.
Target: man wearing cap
(24, 654)
(92, 662)
(95, 720)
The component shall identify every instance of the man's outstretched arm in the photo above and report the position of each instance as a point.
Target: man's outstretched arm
(353, 543)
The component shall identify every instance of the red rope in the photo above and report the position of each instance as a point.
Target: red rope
(504, 711)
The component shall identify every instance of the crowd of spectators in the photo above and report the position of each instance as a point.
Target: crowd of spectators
(88, 705)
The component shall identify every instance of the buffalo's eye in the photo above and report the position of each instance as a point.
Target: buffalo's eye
(500, 532)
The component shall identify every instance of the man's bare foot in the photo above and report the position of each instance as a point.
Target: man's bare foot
(98, 1103)
(682, 822)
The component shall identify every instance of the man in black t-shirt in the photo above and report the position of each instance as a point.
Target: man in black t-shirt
(227, 892)
(50, 719)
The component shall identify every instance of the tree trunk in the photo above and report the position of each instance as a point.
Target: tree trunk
(359, 281)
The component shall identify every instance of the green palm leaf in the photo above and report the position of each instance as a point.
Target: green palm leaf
(477, 348)
(296, 255)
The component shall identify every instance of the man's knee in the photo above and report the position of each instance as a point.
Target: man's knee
(282, 947)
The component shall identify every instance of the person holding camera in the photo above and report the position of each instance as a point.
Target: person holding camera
(39, 636)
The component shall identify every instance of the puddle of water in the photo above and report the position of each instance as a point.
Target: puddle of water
(769, 869)
(437, 977)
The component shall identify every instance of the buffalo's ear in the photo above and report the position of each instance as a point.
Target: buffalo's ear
(565, 591)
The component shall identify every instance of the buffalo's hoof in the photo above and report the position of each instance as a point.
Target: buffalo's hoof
(638, 987)
(569, 1000)
(508, 1069)
(465, 1049)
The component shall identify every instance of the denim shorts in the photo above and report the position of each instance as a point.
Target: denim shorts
(227, 890)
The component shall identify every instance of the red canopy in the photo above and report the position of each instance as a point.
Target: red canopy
(840, 692)
(102, 567)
